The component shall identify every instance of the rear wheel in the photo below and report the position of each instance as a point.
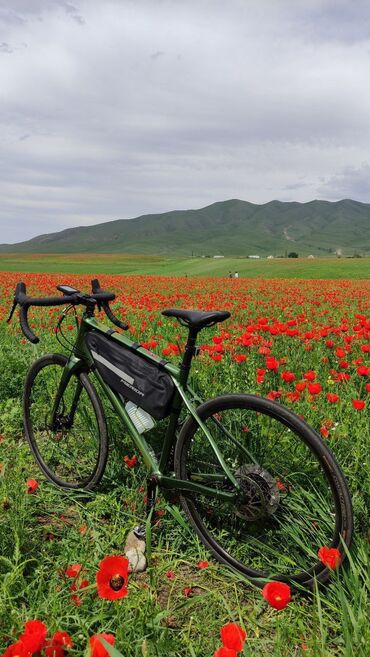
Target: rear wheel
(293, 496)
(70, 447)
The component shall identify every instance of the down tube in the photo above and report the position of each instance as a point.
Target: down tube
(145, 450)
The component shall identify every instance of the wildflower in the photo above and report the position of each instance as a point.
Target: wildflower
(287, 376)
(363, 371)
(225, 652)
(17, 649)
(112, 577)
(170, 574)
(202, 564)
(272, 363)
(188, 592)
(314, 388)
(332, 398)
(330, 557)
(130, 462)
(34, 635)
(239, 358)
(56, 645)
(233, 636)
(324, 432)
(277, 594)
(74, 570)
(32, 486)
(358, 404)
(96, 647)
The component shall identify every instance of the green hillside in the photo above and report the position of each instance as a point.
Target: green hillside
(226, 228)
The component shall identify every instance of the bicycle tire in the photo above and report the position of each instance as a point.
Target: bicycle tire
(37, 397)
(188, 454)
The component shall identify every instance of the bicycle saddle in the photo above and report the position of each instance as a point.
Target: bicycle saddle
(197, 319)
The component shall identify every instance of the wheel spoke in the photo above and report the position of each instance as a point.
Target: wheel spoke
(67, 446)
(286, 509)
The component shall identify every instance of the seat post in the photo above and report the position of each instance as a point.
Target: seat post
(188, 355)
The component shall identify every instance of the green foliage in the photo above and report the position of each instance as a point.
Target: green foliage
(40, 535)
(231, 227)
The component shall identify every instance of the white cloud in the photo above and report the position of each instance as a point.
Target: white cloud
(115, 109)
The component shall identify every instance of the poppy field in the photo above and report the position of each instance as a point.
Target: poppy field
(63, 577)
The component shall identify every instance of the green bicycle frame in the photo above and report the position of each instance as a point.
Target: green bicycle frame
(81, 360)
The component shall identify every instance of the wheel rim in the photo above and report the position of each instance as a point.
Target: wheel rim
(68, 450)
(286, 509)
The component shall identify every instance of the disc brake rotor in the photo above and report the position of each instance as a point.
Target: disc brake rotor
(259, 496)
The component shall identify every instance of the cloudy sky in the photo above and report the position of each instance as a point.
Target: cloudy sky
(115, 108)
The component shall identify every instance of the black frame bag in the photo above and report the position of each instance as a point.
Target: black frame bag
(129, 373)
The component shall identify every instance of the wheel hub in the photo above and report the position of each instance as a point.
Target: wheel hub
(259, 496)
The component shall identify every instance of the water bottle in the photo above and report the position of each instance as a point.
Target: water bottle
(140, 418)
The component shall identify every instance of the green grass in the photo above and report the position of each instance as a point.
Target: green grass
(329, 268)
(40, 533)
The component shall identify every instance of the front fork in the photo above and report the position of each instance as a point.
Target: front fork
(70, 368)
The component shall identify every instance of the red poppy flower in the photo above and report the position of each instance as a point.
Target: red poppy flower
(363, 371)
(277, 594)
(32, 486)
(188, 592)
(56, 645)
(358, 404)
(272, 363)
(17, 649)
(310, 375)
(324, 432)
(287, 376)
(202, 564)
(170, 574)
(233, 636)
(314, 388)
(332, 398)
(34, 635)
(96, 647)
(330, 557)
(240, 358)
(112, 577)
(130, 462)
(225, 652)
(74, 570)
(367, 387)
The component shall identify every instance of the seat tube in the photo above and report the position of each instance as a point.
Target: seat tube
(188, 356)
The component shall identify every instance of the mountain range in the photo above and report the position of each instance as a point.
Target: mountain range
(229, 228)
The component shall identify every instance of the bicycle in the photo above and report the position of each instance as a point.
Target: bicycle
(258, 485)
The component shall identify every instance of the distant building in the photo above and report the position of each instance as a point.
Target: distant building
(219, 256)
(310, 257)
(254, 257)
(270, 257)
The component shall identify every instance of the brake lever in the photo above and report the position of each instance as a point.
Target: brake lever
(15, 303)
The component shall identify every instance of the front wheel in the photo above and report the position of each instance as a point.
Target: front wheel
(68, 437)
(293, 497)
